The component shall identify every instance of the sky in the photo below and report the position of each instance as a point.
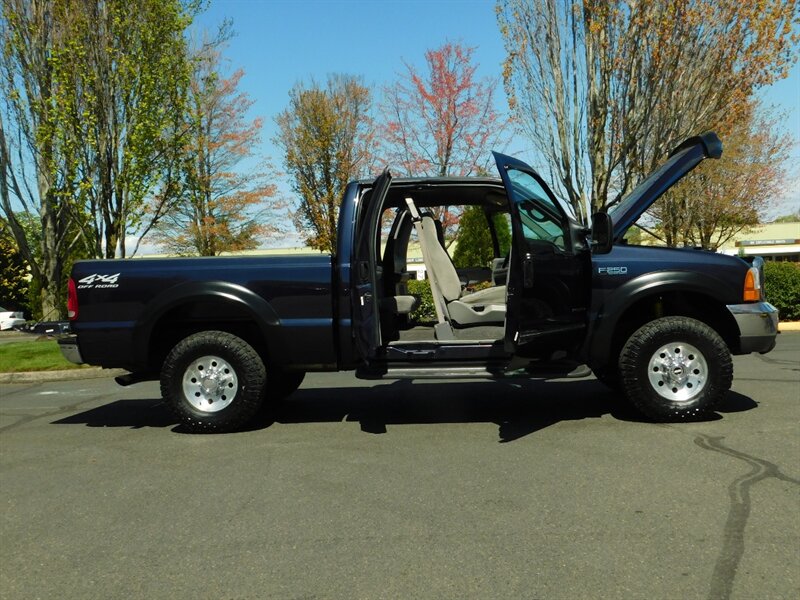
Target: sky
(281, 43)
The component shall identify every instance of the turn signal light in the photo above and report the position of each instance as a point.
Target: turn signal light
(752, 286)
(72, 300)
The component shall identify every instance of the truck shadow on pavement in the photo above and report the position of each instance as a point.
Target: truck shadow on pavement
(518, 407)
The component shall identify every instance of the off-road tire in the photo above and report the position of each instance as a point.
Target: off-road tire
(241, 394)
(675, 369)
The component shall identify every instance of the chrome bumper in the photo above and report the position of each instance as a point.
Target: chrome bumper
(758, 326)
(69, 349)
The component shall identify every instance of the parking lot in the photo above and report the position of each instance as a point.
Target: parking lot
(395, 490)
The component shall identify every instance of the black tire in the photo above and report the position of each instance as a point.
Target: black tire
(224, 400)
(675, 368)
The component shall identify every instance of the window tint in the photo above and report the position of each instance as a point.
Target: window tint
(540, 217)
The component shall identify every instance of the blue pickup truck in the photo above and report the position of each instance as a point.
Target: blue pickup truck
(226, 335)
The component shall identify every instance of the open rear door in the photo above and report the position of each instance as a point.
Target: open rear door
(365, 285)
(548, 281)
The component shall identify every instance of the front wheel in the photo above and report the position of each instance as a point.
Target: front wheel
(675, 368)
(213, 381)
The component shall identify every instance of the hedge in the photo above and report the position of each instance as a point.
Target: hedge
(782, 288)
(426, 311)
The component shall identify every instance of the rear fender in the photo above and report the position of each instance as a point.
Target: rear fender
(261, 312)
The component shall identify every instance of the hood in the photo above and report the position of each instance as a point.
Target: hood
(681, 161)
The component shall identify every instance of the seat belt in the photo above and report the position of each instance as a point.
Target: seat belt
(443, 329)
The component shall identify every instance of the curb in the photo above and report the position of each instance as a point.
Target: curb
(789, 326)
(67, 375)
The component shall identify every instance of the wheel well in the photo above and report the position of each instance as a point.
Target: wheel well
(687, 304)
(202, 315)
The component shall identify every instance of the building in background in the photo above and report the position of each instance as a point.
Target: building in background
(772, 241)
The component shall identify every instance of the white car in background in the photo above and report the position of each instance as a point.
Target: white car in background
(10, 319)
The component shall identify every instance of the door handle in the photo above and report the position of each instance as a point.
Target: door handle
(527, 271)
(363, 270)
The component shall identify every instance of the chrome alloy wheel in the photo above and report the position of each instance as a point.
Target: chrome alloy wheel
(678, 372)
(210, 383)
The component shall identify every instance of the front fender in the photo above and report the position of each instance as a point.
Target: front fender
(607, 316)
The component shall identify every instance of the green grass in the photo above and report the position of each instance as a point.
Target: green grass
(33, 356)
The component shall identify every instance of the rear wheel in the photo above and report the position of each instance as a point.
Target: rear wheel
(675, 368)
(213, 381)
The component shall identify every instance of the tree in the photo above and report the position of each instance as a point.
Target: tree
(327, 139)
(34, 150)
(124, 77)
(721, 198)
(218, 210)
(14, 275)
(790, 218)
(91, 92)
(475, 240)
(442, 121)
(605, 89)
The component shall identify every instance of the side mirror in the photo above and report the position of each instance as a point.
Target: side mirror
(602, 231)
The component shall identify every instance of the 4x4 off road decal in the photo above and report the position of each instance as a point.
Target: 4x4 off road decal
(98, 280)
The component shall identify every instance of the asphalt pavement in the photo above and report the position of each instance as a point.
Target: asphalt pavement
(359, 489)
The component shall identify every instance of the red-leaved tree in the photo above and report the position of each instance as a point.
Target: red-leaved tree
(222, 208)
(442, 120)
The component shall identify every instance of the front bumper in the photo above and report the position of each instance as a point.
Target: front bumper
(69, 349)
(758, 326)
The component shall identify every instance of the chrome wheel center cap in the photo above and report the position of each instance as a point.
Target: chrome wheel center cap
(210, 383)
(678, 371)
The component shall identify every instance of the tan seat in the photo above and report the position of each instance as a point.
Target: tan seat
(481, 307)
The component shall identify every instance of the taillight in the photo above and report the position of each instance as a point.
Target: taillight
(72, 300)
(752, 286)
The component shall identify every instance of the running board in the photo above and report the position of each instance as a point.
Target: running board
(439, 372)
(472, 372)
(132, 378)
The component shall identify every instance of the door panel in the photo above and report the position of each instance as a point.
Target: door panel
(548, 283)
(365, 297)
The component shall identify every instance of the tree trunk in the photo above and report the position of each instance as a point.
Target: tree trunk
(51, 265)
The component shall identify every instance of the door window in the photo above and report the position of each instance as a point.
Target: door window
(541, 219)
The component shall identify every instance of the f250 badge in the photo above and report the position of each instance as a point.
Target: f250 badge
(97, 280)
(612, 270)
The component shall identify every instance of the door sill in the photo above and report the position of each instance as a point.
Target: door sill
(497, 371)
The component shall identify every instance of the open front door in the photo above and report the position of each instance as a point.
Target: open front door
(365, 284)
(549, 267)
